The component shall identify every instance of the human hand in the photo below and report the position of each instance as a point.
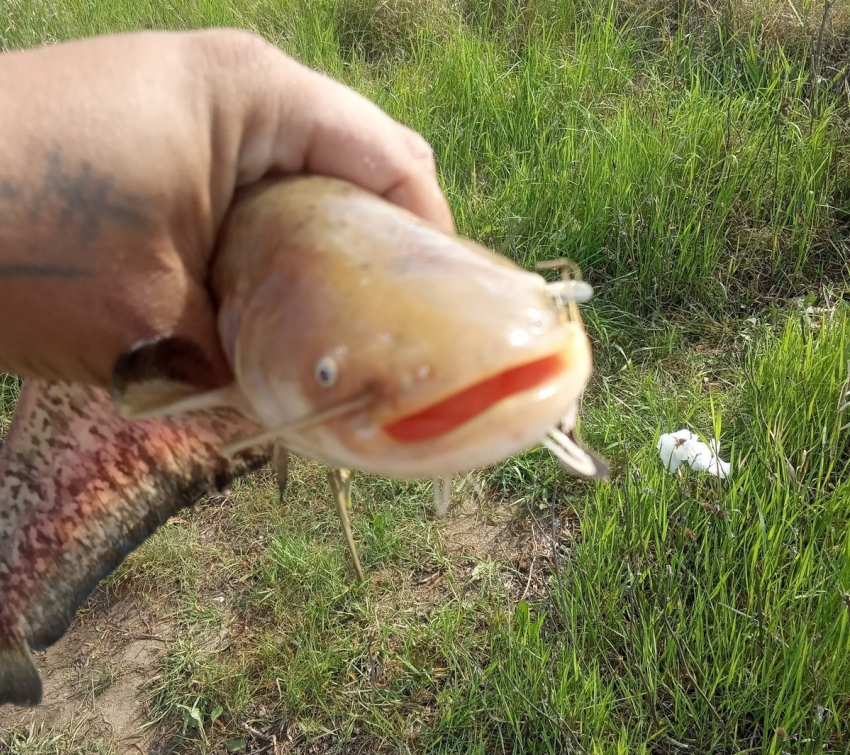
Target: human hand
(119, 157)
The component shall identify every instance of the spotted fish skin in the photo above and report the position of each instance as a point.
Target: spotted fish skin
(80, 488)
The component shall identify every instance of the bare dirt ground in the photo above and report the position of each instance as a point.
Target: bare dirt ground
(95, 677)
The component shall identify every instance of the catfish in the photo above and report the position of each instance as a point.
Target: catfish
(357, 335)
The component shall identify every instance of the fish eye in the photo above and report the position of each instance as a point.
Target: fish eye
(326, 372)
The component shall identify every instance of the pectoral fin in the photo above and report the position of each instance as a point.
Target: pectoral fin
(80, 488)
(165, 376)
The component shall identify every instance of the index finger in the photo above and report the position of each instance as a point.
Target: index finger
(352, 138)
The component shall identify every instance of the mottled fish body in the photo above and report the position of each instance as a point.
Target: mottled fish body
(81, 487)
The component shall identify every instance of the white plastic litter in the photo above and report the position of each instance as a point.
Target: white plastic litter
(684, 447)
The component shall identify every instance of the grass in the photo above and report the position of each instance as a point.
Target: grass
(42, 740)
(692, 157)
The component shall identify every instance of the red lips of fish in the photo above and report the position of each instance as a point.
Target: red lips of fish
(452, 412)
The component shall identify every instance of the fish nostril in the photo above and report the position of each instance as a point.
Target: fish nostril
(535, 322)
(410, 379)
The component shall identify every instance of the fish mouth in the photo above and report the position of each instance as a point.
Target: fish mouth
(450, 413)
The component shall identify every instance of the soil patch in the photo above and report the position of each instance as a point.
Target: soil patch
(94, 676)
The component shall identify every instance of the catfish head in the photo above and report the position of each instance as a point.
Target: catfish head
(363, 337)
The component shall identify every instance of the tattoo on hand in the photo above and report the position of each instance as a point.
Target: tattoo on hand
(76, 202)
(85, 198)
(8, 192)
(37, 270)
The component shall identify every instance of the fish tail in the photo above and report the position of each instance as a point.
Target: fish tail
(20, 682)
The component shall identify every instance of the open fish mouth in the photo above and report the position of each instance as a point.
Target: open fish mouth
(450, 413)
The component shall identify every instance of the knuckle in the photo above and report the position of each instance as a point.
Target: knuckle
(229, 47)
